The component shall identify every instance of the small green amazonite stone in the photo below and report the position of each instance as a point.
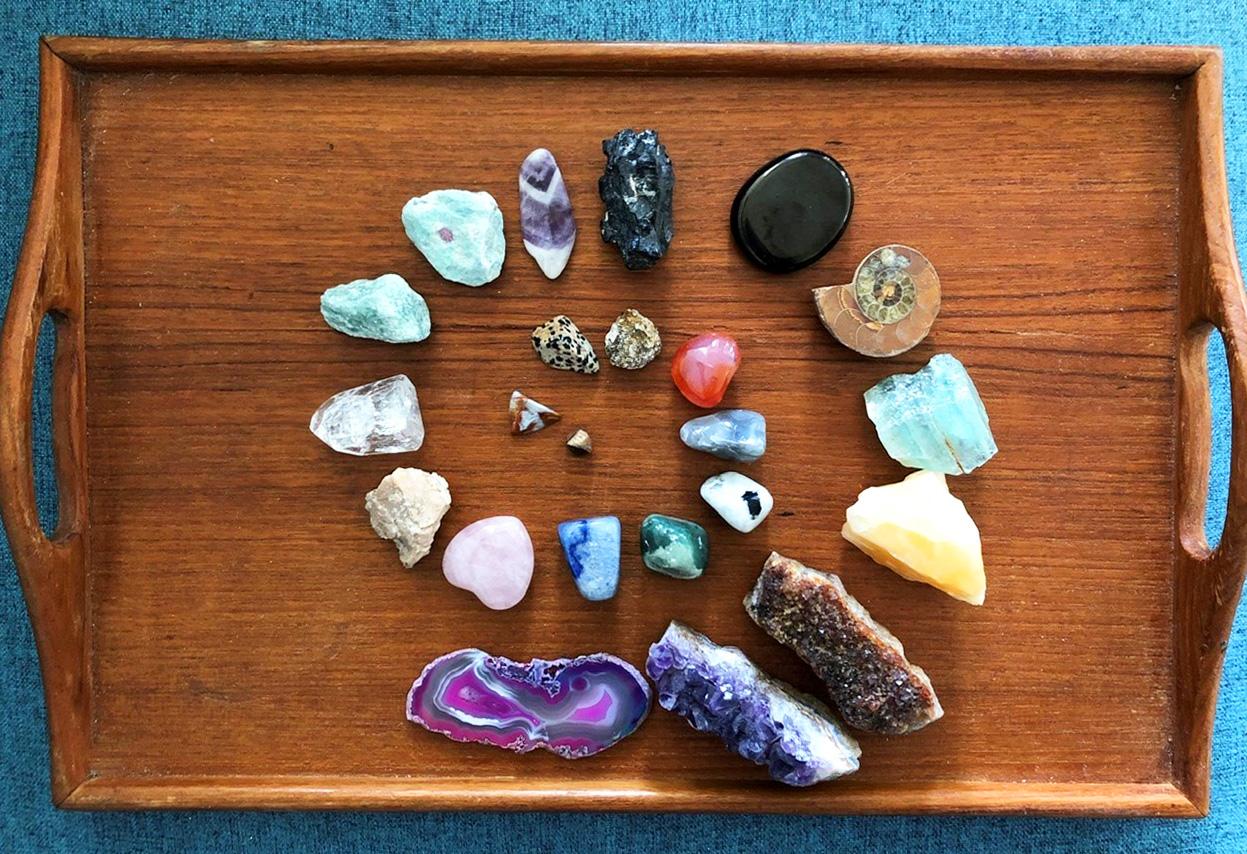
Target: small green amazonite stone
(674, 547)
(384, 308)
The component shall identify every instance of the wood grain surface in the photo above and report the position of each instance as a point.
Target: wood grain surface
(246, 640)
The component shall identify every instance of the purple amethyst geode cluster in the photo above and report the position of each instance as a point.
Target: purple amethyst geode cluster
(574, 707)
(719, 690)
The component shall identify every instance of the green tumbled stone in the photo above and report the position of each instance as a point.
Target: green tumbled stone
(384, 308)
(674, 547)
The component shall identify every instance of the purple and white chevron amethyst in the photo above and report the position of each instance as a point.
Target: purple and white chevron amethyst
(546, 213)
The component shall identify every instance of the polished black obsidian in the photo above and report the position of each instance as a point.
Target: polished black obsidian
(792, 210)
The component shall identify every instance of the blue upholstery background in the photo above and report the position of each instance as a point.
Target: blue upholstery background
(29, 823)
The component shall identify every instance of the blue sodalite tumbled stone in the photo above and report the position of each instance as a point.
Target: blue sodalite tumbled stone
(384, 308)
(933, 419)
(732, 434)
(592, 548)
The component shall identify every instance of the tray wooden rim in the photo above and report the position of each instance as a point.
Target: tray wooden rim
(49, 281)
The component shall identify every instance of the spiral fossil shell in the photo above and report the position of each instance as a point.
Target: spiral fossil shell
(888, 307)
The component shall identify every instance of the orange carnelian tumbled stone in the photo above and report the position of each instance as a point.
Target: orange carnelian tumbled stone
(704, 366)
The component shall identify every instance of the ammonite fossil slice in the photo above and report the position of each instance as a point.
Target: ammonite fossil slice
(888, 307)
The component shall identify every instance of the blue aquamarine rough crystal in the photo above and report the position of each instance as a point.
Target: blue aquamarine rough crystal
(459, 232)
(933, 419)
(592, 548)
(732, 434)
(384, 308)
(718, 690)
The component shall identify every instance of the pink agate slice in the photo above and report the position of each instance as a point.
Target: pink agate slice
(574, 707)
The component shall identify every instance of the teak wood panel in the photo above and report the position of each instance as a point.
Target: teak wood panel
(245, 640)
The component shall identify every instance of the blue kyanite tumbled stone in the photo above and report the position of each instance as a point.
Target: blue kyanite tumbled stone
(385, 308)
(732, 434)
(933, 419)
(459, 232)
(718, 690)
(592, 547)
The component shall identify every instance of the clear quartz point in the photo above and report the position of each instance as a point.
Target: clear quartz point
(381, 417)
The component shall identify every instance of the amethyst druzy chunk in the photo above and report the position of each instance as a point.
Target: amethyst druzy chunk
(574, 707)
(637, 189)
(718, 690)
(546, 213)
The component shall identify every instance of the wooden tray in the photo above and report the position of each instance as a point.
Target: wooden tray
(217, 624)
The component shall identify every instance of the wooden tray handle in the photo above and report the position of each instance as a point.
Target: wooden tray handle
(49, 282)
(1210, 580)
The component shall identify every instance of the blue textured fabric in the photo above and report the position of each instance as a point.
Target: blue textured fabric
(29, 823)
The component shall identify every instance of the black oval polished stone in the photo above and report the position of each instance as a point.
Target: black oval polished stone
(792, 210)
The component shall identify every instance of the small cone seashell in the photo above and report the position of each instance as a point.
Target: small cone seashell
(888, 307)
(580, 443)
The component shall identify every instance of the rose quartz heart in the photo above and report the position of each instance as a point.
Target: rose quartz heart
(493, 558)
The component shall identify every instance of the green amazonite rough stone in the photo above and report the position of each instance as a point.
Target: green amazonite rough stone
(385, 308)
(933, 419)
(674, 547)
(459, 232)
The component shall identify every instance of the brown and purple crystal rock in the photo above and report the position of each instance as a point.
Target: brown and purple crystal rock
(870, 681)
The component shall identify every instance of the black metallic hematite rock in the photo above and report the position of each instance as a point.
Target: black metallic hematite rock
(792, 211)
(636, 189)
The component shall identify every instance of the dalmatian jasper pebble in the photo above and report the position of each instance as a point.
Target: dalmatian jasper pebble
(561, 345)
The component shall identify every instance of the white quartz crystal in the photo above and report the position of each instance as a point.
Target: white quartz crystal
(407, 507)
(378, 418)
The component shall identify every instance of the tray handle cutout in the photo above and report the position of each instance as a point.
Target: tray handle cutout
(49, 283)
(1210, 580)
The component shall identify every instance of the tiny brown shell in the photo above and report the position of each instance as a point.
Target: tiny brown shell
(841, 313)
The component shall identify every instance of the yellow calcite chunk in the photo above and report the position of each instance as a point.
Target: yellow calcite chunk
(917, 529)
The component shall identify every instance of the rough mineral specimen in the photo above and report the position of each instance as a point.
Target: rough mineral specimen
(933, 419)
(637, 188)
(792, 210)
(871, 683)
(560, 345)
(492, 558)
(741, 501)
(733, 434)
(407, 507)
(385, 308)
(592, 548)
(382, 417)
(546, 213)
(632, 341)
(459, 232)
(580, 443)
(573, 707)
(888, 307)
(718, 690)
(529, 416)
(917, 529)
(675, 547)
(704, 366)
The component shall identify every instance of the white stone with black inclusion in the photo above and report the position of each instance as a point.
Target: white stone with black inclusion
(561, 345)
(741, 501)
